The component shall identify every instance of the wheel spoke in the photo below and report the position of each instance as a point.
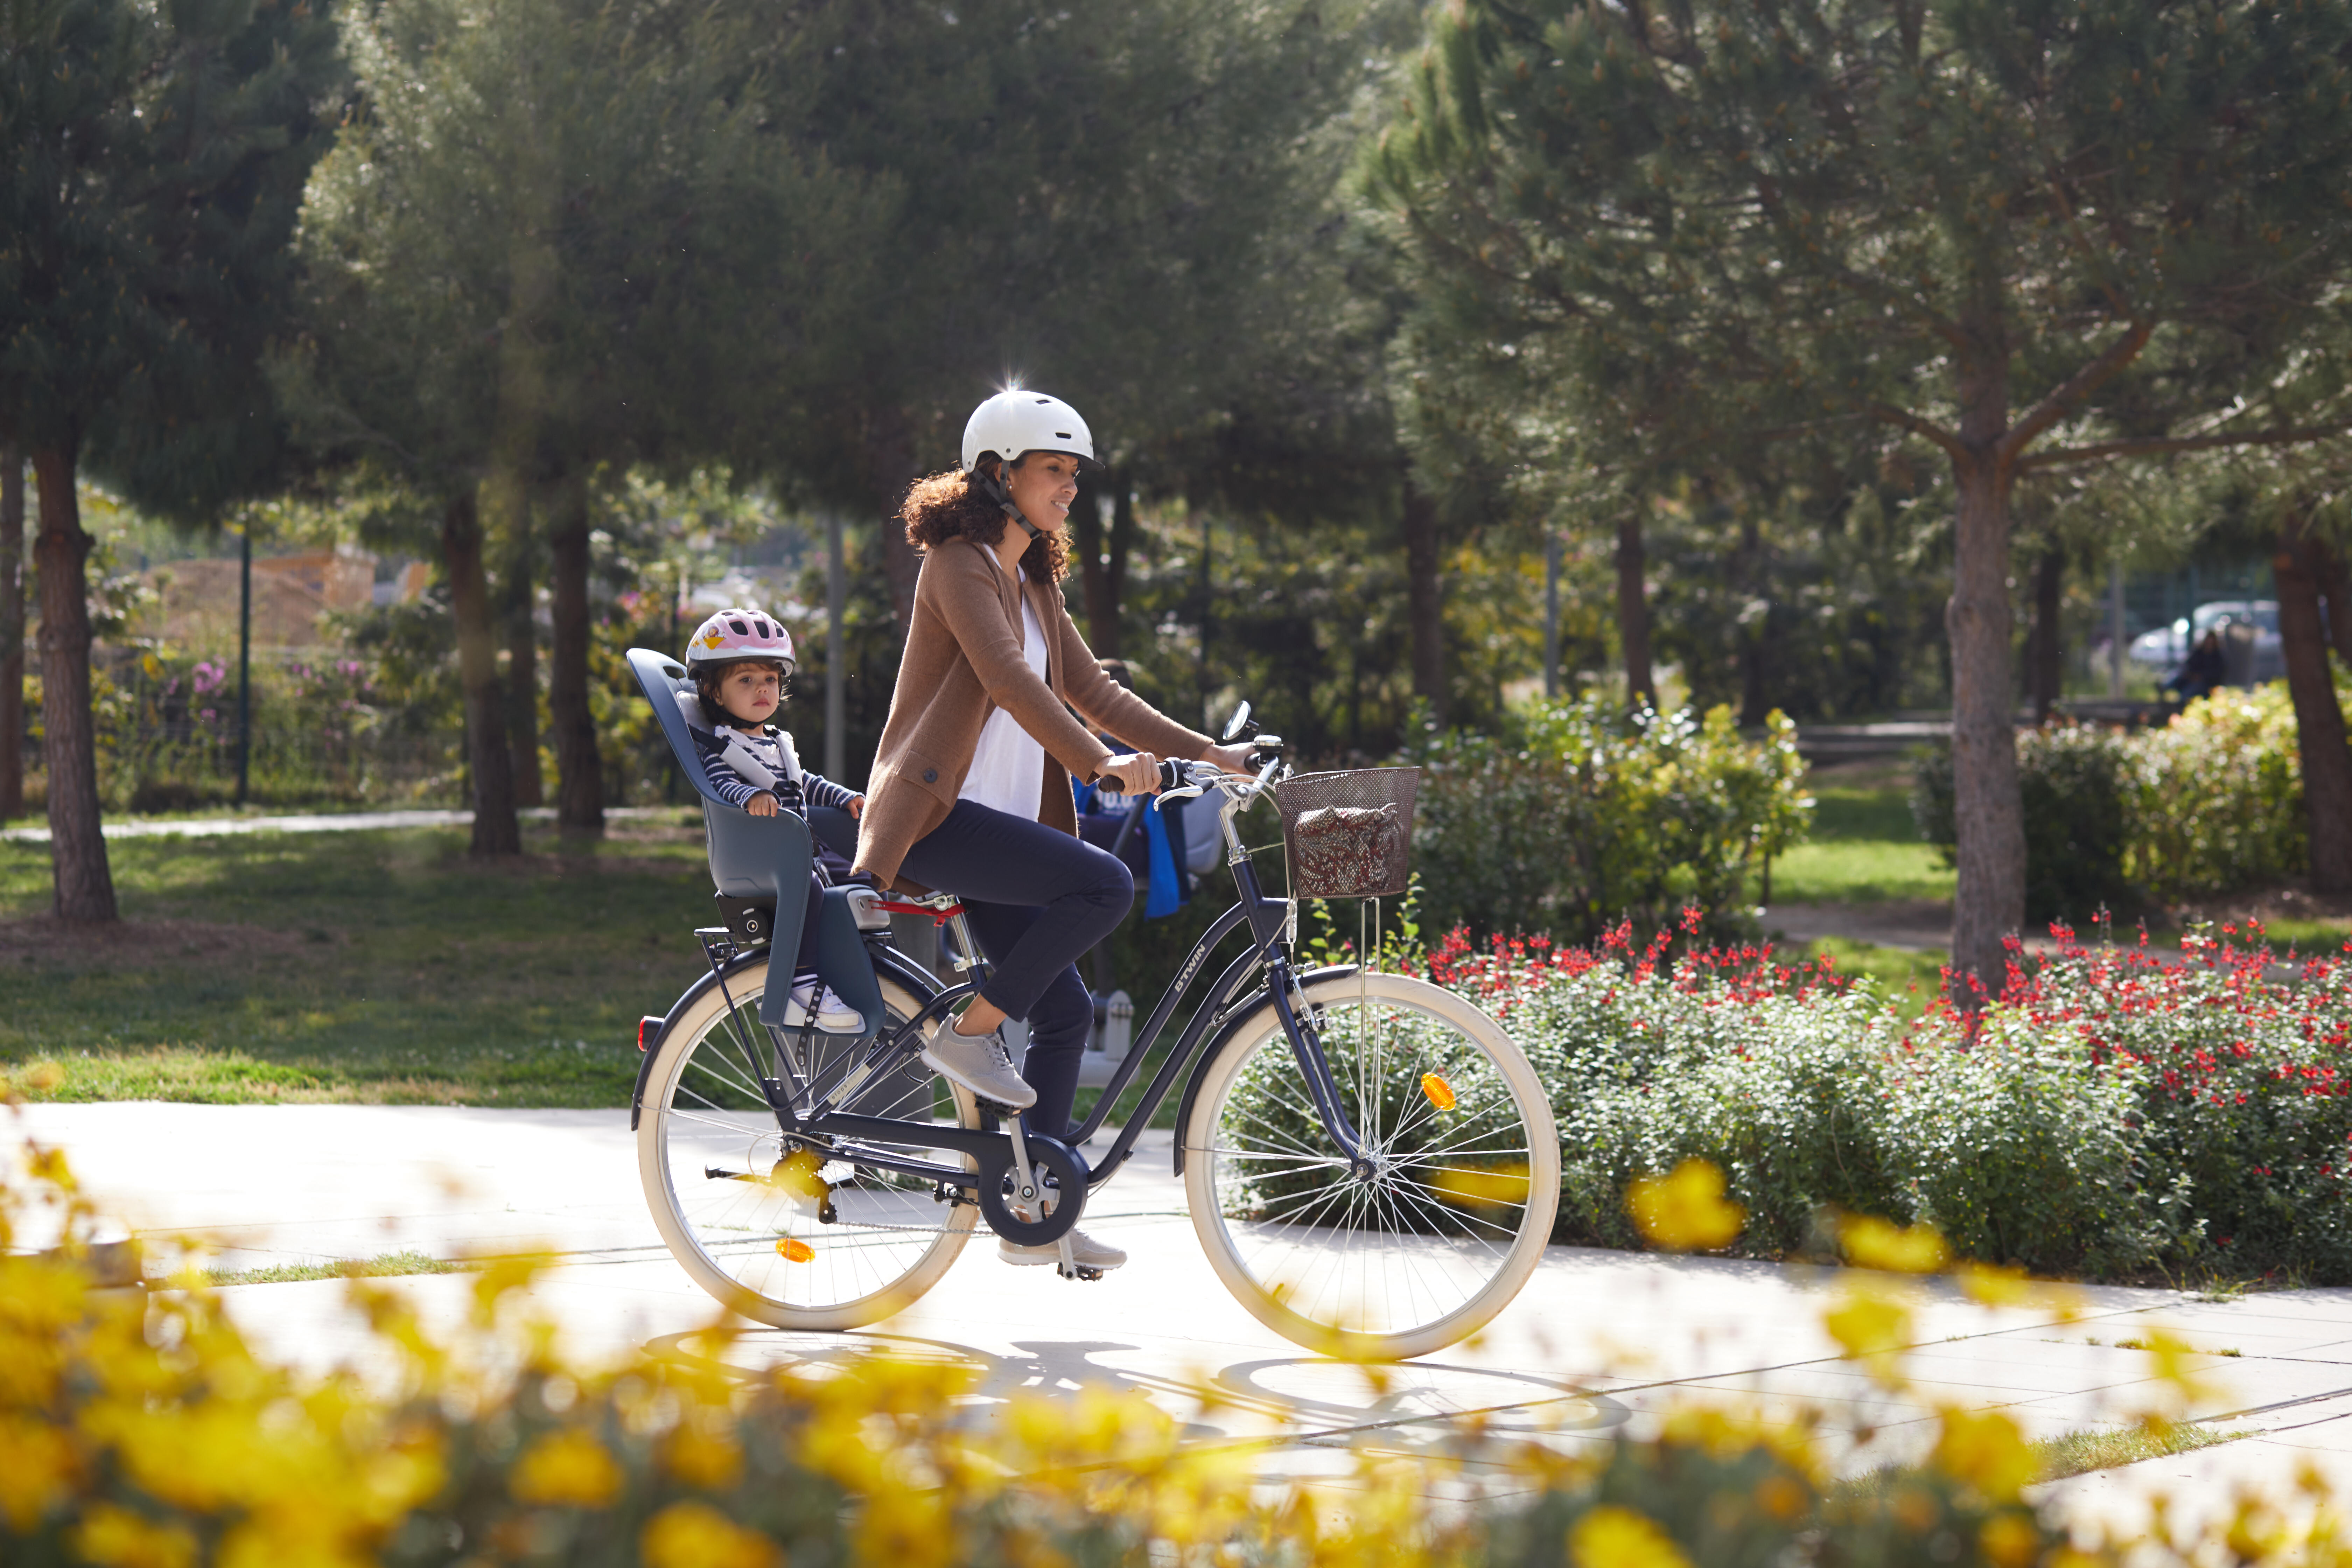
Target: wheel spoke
(766, 1239)
(1406, 1246)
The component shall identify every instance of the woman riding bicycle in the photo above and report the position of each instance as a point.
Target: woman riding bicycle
(970, 790)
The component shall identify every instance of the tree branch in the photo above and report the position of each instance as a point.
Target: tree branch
(2156, 444)
(1887, 413)
(2053, 409)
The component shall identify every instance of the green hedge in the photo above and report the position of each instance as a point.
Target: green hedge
(1582, 815)
(2210, 802)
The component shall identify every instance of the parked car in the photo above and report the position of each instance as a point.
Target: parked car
(2166, 646)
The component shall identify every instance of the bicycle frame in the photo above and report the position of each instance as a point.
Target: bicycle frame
(803, 1113)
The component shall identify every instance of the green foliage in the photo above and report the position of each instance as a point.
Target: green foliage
(2218, 801)
(157, 157)
(2207, 804)
(1580, 815)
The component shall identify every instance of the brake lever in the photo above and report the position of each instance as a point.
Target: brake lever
(1190, 792)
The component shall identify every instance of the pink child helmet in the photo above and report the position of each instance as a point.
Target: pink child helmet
(734, 634)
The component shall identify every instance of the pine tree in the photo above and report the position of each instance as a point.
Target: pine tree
(154, 164)
(2028, 233)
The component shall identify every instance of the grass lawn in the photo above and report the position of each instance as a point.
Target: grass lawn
(354, 966)
(1864, 848)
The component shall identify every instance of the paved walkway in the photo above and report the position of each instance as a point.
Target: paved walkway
(1599, 1342)
(318, 822)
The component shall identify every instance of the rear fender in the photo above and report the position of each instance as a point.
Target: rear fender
(1224, 1039)
(889, 963)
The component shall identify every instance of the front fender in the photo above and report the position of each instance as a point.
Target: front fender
(1224, 1039)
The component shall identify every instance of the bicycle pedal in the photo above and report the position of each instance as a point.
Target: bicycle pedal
(1079, 1272)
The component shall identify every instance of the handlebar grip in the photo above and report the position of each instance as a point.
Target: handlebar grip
(1172, 775)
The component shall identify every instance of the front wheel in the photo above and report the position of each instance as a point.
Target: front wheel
(1423, 1241)
(782, 1236)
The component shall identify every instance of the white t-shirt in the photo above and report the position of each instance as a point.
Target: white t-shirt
(1008, 770)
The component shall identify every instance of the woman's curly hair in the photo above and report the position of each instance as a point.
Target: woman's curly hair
(948, 505)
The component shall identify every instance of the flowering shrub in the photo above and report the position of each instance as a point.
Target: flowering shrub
(1584, 816)
(2115, 1111)
(142, 1431)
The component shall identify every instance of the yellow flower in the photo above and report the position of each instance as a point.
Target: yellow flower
(36, 1467)
(118, 1538)
(710, 1461)
(1467, 1187)
(1613, 1537)
(1985, 1449)
(1874, 1243)
(695, 1535)
(2010, 1541)
(1871, 1327)
(566, 1470)
(1989, 1285)
(1686, 1212)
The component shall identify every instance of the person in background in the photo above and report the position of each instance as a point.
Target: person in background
(2203, 671)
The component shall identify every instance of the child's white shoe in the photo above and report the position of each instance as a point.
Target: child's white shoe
(833, 1015)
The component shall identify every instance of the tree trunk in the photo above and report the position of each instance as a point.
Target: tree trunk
(85, 886)
(1103, 573)
(520, 684)
(578, 769)
(496, 831)
(891, 466)
(1425, 600)
(1634, 614)
(1989, 904)
(2045, 648)
(1755, 622)
(2318, 721)
(12, 633)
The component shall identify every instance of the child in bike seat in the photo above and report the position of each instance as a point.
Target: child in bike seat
(740, 660)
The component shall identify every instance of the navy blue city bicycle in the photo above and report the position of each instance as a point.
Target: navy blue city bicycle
(1369, 1161)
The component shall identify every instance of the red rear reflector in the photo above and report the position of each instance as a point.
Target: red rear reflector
(647, 1028)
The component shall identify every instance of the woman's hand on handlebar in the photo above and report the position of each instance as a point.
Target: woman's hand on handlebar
(1136, 773)
(1232, 759)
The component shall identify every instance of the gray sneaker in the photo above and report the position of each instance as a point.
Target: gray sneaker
(979, 1063)
(1084, 1251)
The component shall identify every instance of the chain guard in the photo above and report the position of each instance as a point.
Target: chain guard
(1047, 1157)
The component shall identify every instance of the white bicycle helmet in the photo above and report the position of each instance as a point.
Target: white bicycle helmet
(1015, 422)
(734, 634)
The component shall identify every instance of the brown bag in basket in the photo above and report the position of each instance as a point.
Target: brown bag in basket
(1344, 851)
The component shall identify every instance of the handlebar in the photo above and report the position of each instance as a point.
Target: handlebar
(1171, 776)
(1198, 776)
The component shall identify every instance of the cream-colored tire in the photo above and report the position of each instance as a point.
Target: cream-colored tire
(1424, 1245)
(753, 1235)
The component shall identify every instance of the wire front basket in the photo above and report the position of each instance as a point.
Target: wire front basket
(1348, 834)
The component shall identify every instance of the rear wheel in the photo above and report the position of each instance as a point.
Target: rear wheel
(790, 1237)
(1435, 1231)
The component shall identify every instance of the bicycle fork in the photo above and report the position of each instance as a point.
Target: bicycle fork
(1307, 1048)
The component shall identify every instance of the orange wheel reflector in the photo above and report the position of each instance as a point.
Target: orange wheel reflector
(792, 1249)
(1440, 1092)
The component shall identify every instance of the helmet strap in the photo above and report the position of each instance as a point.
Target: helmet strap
(994, 488)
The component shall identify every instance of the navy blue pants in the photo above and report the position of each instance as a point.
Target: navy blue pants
(1036, 898)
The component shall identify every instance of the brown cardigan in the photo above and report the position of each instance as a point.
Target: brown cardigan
(963, 661)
